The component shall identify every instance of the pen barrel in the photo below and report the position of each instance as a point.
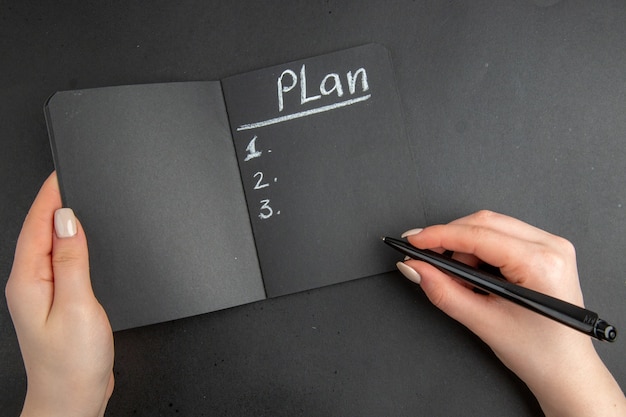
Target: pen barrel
(569, 314)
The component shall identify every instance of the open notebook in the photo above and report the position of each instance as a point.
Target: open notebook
(199, 196)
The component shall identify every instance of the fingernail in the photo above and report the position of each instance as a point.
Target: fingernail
(411, 232)
(64, 223)
(409, 272)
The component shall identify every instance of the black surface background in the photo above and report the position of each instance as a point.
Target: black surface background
(516, 106)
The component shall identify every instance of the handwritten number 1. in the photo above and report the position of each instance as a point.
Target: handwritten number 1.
(251, 149)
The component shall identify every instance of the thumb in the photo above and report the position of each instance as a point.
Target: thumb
(70, 260)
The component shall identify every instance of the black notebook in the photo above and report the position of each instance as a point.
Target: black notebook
(199, 196)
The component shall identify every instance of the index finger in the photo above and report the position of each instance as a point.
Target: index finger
(504, 224)
(502, 250)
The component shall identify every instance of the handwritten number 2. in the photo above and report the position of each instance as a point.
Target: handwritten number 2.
(259, 184)
(266, 210)
(251, 149)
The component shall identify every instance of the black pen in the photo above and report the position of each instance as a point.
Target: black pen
(571, 315)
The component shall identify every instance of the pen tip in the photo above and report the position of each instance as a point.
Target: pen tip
(382, 238)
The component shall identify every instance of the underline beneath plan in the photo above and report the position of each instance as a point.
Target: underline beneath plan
(303, 113)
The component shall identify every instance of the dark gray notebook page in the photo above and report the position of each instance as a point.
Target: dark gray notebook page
(326, 166)
(151, 173)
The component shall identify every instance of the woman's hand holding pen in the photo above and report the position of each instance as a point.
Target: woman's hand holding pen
(559, 364)
(64, 334)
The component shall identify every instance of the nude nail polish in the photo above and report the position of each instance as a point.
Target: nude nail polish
(409, 272)
(411, 232)
(64, 223)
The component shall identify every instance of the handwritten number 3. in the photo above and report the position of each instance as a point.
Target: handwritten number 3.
(266, 210)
